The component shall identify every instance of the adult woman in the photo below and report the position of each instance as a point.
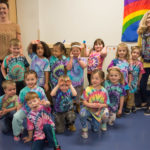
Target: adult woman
(144, 42)
(8, 31)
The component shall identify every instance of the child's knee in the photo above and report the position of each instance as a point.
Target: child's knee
(70, 118)
(83, 112)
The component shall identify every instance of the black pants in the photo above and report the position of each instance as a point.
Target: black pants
(19, 86)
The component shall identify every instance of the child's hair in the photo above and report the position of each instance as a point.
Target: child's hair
(142, 25)
(100, 73)
(5, 2)
(136, 47)
(98, 41)
(46, 49)
(76, 44)
(64, 77)
(14, 42)
(124, 45)
(7, 83)
(118, 70)
(31, 95)
(30, 72)
(61, 46)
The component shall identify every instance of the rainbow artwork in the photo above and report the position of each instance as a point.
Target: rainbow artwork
(133, 13)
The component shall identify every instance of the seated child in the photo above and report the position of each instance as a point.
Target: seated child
(63, 104)
(39, 123)
(8, 105)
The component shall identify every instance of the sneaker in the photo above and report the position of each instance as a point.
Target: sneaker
(104, 127)
(72, 128)
(111, 123)
(16, 138)
(134, 109)
(84, 134)
(127, 111)
(147, 111)
(57, 148)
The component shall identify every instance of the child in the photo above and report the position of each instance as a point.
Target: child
(75, 66)
(115, 87)
(23, 109)
(95, 102)
(121, 61)
(136, 75)
(63, 104)
(96, 57)
(15, 65)
(57, 63)
(39, 52)
(39, 122)
(8, 105)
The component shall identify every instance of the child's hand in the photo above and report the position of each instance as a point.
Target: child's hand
(71, 55)
(119, 112)
(35, 42)
(4, 111)
(45, 103)
(0, 113)
(27, 139)
(79, 57)
(46, 87)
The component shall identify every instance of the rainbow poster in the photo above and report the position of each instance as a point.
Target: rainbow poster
(133, 12)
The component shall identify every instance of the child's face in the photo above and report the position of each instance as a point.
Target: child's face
(135, 54)
(114, 76)
(98, 47)
(40, 50)
(64, 87)
(96, 80)
(57, 52)
(34, 103)
(76, 51)
(31, 80)
(148, 20)
(122, 52)
(15, 50)
(10, 90)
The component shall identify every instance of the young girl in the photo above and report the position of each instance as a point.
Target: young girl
(57, 63)
(39, 52)
(121, 61)
(115, 87)
(96, 57)
(23, 109)
(136, 74)
(63, 94)
(95, 102)
(75, 66)
(144, 42)
(40, 123)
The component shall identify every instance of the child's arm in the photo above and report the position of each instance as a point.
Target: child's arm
(140, 77)
(130, 79)
(82, 63)
(74, 93)
(7, 110)
(104, 52)
(29, 137)
(46, 87)
(121, 105)
(54, 91)
(69, 65)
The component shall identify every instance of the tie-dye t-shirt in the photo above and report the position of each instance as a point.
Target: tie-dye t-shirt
(37, 119)
(23, 93)
(136, 70)
(57, 69)
(76, 74)
(124, 68)
(115, 91)
(95, 61)
(63, 102)
(16, 67)
(39, 65)
(92, 95)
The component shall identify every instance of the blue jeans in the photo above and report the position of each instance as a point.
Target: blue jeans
(84, 115)
(50, 136)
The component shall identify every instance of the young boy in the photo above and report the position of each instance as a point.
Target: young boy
(15, 65)
(39, 122)
(75, 67)
(8, 105)
(63, 94)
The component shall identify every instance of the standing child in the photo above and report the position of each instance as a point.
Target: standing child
(96, 57)
(8, 105)
(115, 87)
(39, 52)
(40, 123)
(95, 102)
(75, 66)
(57, 63)
(23, 109)
(15, 65)
(63, 104)
(136, 74)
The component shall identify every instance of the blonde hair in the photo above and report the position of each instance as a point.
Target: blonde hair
(123, 45)
(14, 42)
(30, 72)
(136, 47)
(142, 25)
(31, 95)
(7, 83)
(118, 70)
(74, 44)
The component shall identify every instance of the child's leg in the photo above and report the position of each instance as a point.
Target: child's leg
(105, 117)
(112, 118)
(95, 125)
(50, 135)
(38, 145)
(18, 118)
